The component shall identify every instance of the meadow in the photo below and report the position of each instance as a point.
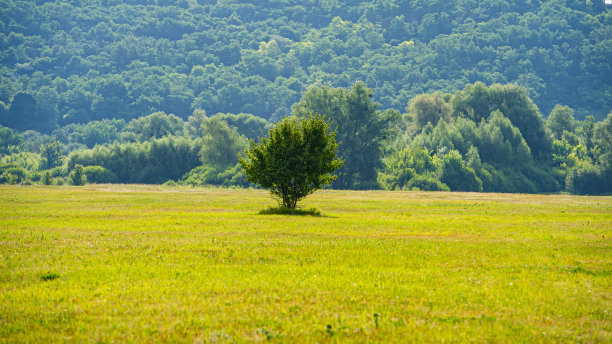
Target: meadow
(136, 263)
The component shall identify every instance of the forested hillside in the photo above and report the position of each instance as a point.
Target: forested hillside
(426, 95)
(68, 62)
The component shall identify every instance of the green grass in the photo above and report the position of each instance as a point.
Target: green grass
(157, 264)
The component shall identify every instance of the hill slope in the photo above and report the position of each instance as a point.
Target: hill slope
(75, 61)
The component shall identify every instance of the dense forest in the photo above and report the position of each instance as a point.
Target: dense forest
(426, 95)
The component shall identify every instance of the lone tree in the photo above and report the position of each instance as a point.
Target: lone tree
(297, 158)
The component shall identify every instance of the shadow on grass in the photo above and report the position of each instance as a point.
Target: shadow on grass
(49, 276)
(288, 211)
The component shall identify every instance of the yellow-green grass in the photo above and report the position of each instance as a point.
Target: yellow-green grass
(154, 264)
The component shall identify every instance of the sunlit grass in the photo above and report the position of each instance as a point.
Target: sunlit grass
(148, 263)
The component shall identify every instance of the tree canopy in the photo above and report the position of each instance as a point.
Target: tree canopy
(65, 62)
(362, 129)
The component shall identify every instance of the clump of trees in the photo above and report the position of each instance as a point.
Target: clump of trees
(493, 138)
(481, 138)
(152, 149)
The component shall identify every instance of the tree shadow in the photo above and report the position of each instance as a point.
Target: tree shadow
(292, 212)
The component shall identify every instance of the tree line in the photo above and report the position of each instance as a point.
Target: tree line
(73, 62)
(481, 138)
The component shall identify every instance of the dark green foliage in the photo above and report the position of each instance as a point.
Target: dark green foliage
(492, 151)
(99, 174)
(362, 129)
(246, 124)
(545, 179)
(586, 179)
(602, 142)
(497, 140)
(457, 176)
(585, 131)
(10, 141)
(473, 102)
(501, 142)
(495, 149)
(477, 102)
(220, 143)
(80, 76)
(12, 173)
(77, 176)
(585, 175)
(111, 98)
(46, 178)
(90, 134)
(297, 158)
(472, 158)
(405, 164)
(459, 134)
(509, 179)
(429, 108)
(154, 161)
(33, 140)
(22, 112)
(154, 126)
(561, 119)
(3, 112)
(76, 61)
(50, 155)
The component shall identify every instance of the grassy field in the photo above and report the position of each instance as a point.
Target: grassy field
(155, 264)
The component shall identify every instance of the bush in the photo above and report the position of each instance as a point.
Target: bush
(458, 176)
(46, 178)
(426, 183)
(487, 179)
(58, 172)
(77, 176)
(543, 180)
(505, 179)
(396, 179)
(171, 183)
(12, 173)
(99, 174)
(585, 179)
(367, 185)
(215, 175)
